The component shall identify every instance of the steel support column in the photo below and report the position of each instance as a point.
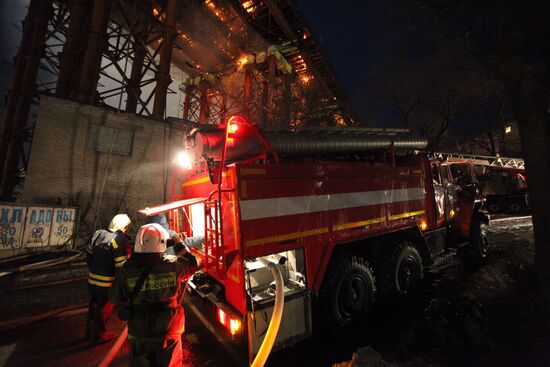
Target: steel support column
(269, 89)
(92, 58)
(247, 89)
(223, 109)
(287, 100)
(15, 89)
(189, 90)
(163, 79)
(28, 87)
(204, 113)
(71, 57)
(134, 83)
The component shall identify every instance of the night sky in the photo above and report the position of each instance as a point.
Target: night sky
(11, 14)
(361, 40)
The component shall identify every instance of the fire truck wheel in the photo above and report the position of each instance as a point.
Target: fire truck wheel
(477, 251)
(493, 208)
(400, 270)
(347, 292)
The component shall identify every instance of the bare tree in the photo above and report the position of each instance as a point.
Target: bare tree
(508, 40)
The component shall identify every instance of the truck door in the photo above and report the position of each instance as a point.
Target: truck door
(450, 191)
(439, 196)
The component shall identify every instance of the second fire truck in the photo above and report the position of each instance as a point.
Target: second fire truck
(358, 216)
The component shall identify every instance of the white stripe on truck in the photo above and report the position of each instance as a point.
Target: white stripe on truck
(292, 205)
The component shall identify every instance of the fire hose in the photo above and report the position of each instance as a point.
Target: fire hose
(273, 328)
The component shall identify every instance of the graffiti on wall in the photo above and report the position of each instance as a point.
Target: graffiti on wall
(11, 226)
(36, 227)
(62, 226)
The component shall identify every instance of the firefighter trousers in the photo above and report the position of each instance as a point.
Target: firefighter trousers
(99, 311)
(156, 352)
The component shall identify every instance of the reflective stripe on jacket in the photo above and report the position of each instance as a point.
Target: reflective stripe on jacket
(107, 252)
(163, 285)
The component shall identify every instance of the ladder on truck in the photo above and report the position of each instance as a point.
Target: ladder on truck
(482, 160)
(214, 252)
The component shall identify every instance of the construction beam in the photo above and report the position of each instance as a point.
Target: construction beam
(133, 89)
(16, 132)
(281, 20)
(163, 77)
(89, 74)
(269, 89)
(74, 48)
(204, 114)
(189, 90)
(247, 89)
(15, 89)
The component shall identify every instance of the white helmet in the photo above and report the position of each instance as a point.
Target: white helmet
(151, 238)
(120, 222)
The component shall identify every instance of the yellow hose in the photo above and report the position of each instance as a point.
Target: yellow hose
(275, 322)
(114, 349)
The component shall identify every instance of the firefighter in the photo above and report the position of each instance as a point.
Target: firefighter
(106, 253)
(147, 292)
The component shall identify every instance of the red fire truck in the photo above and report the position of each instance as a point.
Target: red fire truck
(357, 214)
(501, 181)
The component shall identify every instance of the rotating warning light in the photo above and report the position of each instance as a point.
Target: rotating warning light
(183, 159)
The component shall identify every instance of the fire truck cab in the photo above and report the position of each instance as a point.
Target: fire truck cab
(352, 217)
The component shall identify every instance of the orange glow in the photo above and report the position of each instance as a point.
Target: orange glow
(156, 12)
(423, 225)
(233, 128)
(243, 60)
(304, 78)
(452, 213)
(249, 6)
(232, 325)
(235, 326)
(339, 119)
(221, 316)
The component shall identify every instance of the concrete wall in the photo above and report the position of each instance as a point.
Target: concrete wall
(64, 170)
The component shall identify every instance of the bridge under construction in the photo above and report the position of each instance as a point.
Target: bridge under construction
(191, 60)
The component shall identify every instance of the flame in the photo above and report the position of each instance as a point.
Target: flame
(339, 119)
(249, 6)
(305, 79)
(244, 60)
(156, 12)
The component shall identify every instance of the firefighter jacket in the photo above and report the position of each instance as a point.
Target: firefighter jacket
(107, 252)
(155, 311)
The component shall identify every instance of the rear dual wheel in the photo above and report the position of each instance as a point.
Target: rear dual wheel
(347, 293)
(400, 270)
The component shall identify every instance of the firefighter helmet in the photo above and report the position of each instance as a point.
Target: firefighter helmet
(120, 222)
(151, 238)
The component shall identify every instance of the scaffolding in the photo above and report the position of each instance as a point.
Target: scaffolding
(254, 57)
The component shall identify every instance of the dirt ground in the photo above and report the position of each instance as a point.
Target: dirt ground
(486, 317)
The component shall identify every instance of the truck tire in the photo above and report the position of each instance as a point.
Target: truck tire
(476, 253)
(514, 208)
(347, 292)
(400, 269)
(493, 208)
